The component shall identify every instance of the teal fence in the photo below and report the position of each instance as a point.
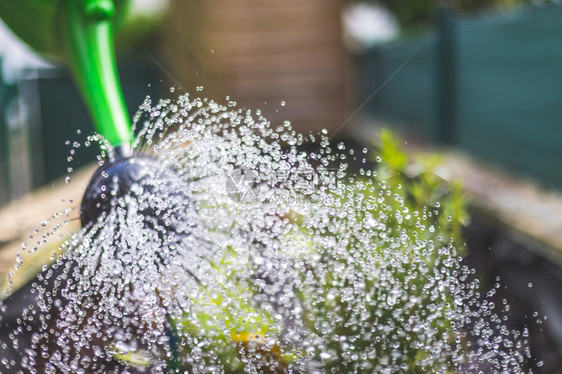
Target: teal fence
(491, 85)
(51, 111)
(409, 74)
(62, 114)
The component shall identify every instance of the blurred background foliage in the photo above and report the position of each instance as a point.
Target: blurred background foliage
(411, 13)
(421, 185)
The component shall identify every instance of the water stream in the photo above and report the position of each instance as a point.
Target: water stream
(264, 258)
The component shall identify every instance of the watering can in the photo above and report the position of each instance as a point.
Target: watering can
(80, 32)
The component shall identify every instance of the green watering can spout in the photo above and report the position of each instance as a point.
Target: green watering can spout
(82, 32)
(88, 36)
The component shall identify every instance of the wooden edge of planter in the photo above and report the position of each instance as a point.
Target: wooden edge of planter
(27, 240)
(523, 209)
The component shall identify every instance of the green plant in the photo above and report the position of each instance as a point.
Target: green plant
(422, 190)
(413, 13)
(224, 327)
(371, 299)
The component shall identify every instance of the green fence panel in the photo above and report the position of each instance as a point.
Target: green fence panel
(406, 83)
(509, 98)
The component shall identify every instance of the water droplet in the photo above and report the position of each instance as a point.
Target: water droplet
(301, 257)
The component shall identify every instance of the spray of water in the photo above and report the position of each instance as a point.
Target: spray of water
(263, 259)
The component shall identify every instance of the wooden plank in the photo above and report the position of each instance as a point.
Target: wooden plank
(26, 216)
(284, 60)
(288, 39)
(286, 86)
(261, 66)
(526, 210)
(274, 19)
(256, 51)
(264, 6)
